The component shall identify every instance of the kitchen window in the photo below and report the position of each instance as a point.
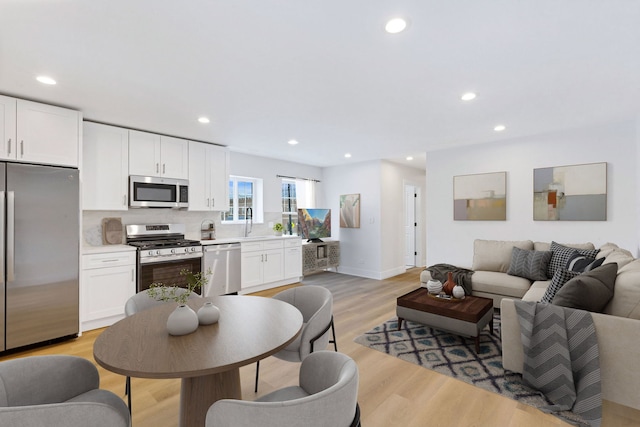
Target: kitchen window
(289, 206)
(244, 193)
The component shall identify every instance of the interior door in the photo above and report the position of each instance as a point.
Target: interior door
(410, 225)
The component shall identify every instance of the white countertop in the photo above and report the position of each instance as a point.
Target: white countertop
(245, 239)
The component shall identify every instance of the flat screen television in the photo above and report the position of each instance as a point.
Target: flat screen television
(314, 224)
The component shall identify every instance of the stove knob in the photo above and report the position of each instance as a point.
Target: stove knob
(186, 250)
(193, 249)
(173, 251)
(150, 253)
(157, 252)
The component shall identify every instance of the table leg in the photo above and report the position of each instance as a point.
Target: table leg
(400, 319)
(491, 326)
(197, 394)
(477, 340)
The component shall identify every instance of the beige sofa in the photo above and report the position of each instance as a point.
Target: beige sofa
(618, 327)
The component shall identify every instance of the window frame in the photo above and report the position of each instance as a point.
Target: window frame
(233, 200)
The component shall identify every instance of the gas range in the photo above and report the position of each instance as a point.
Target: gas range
(162, 240)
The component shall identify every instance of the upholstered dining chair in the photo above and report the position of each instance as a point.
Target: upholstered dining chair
(137, 303)
(57, 391)
(316, 305)
(327, 395)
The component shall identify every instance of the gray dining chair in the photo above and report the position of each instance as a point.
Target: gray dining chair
(316, 305)
(327, 395)
(137, 303)
(57, 391)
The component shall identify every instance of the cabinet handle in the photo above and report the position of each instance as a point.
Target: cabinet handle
(21, 148)
(124, 200)
(265, 258)
(157, 167)
(208, 202)
(163, 168)
(213, 201)
(9, 146)
(262, 258)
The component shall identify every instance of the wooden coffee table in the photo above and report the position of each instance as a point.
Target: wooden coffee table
(466, 317)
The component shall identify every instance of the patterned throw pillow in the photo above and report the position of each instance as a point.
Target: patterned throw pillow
(561, 255)
(560, 277)
(583, 264)
(531, 265)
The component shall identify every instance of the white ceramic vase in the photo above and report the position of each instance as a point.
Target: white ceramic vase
(458, 291)
(208, 313)
(183, 320)
(434, 287)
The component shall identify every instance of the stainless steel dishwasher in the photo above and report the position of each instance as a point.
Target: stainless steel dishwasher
(224, 261)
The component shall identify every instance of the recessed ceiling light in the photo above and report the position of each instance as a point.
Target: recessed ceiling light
(499, 128)
(468, 96)
(395, 25)
(292, 142)
(409, 158)
(203, 119)
(348, 155)
(46, 80)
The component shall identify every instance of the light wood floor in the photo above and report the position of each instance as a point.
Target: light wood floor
(391, 393)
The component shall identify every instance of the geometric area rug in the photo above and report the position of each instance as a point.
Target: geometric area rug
(456, 357)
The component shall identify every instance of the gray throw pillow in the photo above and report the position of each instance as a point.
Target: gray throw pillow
(561, 255)
(589, 291)
(560, 277)
(531, 265)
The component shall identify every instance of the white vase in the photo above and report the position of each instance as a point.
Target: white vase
(458, 291)
(208, 314)
(183, 320)
(434, 287)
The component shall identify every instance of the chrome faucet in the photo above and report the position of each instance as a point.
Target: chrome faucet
(248, 222)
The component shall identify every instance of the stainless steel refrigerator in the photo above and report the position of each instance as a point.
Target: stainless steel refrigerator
(39, 254)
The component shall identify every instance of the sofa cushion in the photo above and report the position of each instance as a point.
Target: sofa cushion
(560, 277)
(546, 246)
(620, 256)
(537, 290)
(626, 296)
(500, 284)
(561, 255)
(589, 291)
(531, 265)
(495, 255)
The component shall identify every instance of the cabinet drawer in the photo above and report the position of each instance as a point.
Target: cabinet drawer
(112, 259)
(292, 243)
(251, 246)
(273, 244)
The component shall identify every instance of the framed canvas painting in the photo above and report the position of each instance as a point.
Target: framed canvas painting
(480, 197)
(570, 193)
(350, 211)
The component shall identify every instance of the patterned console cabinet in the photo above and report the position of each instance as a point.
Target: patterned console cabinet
(320, 256)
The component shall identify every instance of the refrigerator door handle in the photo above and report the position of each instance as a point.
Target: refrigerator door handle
(11, 235)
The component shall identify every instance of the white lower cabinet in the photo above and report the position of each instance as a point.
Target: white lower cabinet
(270, 263)
(108, 281)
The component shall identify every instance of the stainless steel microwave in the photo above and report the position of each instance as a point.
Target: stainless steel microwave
(155, 192)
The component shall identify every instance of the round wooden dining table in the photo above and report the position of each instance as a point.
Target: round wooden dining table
(208, 360)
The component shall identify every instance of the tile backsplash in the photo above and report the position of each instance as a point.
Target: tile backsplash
(92, 222)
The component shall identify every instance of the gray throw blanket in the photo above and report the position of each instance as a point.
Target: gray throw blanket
(561, 358)
(461, 276)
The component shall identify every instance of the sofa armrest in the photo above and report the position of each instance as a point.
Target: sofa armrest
(618, 344)
(79, 414)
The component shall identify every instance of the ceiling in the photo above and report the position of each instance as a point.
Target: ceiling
(324, 72)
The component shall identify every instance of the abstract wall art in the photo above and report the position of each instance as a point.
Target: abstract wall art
(480, 197)
(350, 211)
(570, 193)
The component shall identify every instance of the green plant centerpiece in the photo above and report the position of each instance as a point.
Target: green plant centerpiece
(195, 282)
(278, 227)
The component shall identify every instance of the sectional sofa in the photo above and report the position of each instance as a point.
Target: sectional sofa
(617, 325)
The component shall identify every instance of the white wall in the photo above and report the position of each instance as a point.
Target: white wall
(617, 144)
(376, 249)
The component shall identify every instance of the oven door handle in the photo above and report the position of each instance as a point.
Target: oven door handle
(169, 258)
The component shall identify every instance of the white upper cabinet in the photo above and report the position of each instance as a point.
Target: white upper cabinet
(7, 127)
(208, 177)
(105, 166)
(155, 155)
(39, 133)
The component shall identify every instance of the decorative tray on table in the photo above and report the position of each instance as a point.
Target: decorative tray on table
(445, 297)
